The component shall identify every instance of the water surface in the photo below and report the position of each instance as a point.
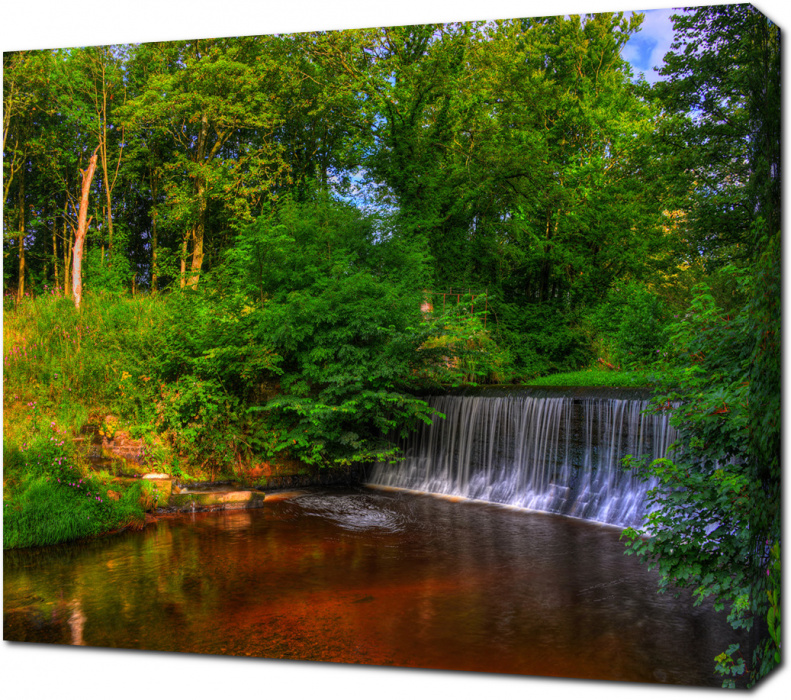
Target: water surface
(373, 577)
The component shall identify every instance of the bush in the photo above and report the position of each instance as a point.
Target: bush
(631, 324)
(48, 498)
(542, 338)
(339, 302)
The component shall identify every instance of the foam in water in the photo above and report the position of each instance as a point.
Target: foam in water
(555, 454)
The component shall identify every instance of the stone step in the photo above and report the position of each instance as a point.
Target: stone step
(171, 498)
(187, 501)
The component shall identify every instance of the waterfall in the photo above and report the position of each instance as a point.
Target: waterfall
(554, 451)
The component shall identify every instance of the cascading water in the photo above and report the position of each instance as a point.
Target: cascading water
(557, 453)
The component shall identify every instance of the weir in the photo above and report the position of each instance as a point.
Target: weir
(552, 450)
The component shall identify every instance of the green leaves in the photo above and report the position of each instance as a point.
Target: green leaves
(341, 308)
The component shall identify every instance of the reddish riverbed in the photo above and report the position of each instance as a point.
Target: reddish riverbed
(375, 578)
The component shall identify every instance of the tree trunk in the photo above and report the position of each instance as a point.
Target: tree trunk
(20, 292)
(200, 230)
(200, 187)
(68, 246)
(108, 196)
(82, 229)
(154, 268)
(184, 260)
(55, 272)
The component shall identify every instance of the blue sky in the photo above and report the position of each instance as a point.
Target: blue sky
(647, 48)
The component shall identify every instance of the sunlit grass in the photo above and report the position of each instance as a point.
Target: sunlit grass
(598, 377)
(74, 362)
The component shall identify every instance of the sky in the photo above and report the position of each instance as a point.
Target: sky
(42, 671)
(647, 48)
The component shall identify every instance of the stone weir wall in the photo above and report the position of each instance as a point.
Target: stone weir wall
(290, 477)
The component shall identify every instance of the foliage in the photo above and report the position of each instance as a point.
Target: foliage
(721, 492)
(469, 354)
(703, 512)
(342, 309)
(634, 320)
(542, 338)
(48, 497)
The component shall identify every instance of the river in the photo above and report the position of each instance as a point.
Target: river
(371, 576)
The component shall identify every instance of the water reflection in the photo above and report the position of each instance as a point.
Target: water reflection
(376, 578)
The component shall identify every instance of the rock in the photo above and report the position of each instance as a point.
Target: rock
(217, 500)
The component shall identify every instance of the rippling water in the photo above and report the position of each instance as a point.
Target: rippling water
(371, 577)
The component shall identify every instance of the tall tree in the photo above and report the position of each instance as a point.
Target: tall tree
(206, 93)
(19, 104)
(719, 504)
(92, 83)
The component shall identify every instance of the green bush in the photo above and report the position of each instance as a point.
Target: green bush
(49, 498)
(631, 325)
(339, 302)
(542, 338)
(714, 515)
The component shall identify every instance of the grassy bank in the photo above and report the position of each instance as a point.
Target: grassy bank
(50, 496)
(62, 369)
(600, 377)
(190, 376)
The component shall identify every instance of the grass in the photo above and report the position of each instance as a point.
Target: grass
(72, 362)
(49, 497)
(47, 512)
(63, 368)
(598, 377)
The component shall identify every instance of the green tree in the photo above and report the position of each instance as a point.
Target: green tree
(212, 100)
(716, 526)
(339, 301)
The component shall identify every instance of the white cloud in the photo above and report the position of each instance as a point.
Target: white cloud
(647, 49)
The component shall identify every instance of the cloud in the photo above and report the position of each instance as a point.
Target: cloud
(646, 49)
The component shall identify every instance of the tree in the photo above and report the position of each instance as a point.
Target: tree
(716, 526)
(210, 97)
(82, 229)
(92, 82)
(342, 310)
(723, 87)
(19, 100)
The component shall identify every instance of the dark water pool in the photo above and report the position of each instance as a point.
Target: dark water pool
(371, 577)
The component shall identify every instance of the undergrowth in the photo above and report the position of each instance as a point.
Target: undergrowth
(50, 497)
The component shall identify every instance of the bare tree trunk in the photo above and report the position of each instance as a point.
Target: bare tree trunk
(82, 229)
